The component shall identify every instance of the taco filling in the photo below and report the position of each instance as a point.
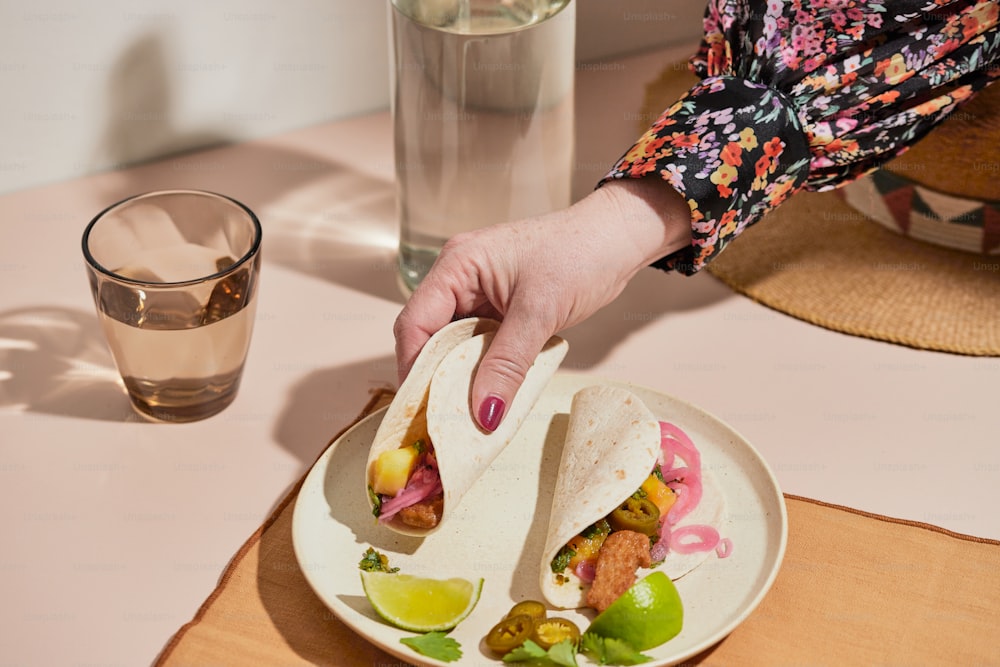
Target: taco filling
(406, 482)
(669, 521)
(643, 530)
(428, 449)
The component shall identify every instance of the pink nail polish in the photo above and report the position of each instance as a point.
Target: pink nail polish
(490, 412)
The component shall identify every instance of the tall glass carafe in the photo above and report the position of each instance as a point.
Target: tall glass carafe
(482, 105)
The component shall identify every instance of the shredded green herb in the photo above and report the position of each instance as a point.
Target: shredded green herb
(601, 527)
(373, 561)
(376, 501)
(561, 560)
(640, 493)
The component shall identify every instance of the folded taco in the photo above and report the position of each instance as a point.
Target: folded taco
(429, 450)
(630, 497)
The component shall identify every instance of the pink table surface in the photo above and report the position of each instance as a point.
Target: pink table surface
(116, 530)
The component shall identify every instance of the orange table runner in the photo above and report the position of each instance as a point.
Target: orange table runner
(854, 589)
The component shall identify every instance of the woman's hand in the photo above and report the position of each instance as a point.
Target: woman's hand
(540, 276)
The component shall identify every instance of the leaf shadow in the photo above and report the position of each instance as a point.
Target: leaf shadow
(54, 361)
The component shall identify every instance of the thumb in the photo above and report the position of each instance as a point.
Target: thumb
(503, 369)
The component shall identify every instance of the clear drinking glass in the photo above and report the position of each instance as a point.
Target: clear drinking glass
(174, 277)
(482, 104)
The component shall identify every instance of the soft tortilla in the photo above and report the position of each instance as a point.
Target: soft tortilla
(612, 443)
(435, 402)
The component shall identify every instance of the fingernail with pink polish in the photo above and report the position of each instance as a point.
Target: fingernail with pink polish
(490, 412)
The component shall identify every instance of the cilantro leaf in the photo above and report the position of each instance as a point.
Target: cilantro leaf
(610, 651)
(435, 645)
(527, 651)
(562, 654)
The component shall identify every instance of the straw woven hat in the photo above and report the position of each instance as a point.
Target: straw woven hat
(908, 255)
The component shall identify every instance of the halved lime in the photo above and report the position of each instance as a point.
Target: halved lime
(646, 615)
(421, 604)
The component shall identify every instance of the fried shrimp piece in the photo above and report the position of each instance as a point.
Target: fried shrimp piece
(424, 514)
(621, 554)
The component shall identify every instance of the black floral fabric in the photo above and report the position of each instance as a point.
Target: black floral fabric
(798, 94)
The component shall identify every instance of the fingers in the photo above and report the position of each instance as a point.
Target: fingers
(409, 341)
(485, 274)
(505, 365)
(523, 332)
(425, 312)
(451, 288)
(527, 275)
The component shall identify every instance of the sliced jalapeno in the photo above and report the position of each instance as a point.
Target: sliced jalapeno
(638, 514)
(533, 608)
(510, 633)
(551, 631)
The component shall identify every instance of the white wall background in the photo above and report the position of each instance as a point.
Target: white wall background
(91, 85)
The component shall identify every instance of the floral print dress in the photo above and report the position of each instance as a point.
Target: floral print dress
(807, 94)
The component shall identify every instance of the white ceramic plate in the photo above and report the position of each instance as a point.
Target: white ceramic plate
(498, 531)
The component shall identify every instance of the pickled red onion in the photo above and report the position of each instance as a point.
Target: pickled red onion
(686, 482)
(585, 570)
(675, 474)
(724, 548)
(674, 441)
(661, 548)
(689, 494)
(425, 482)
(705, 537)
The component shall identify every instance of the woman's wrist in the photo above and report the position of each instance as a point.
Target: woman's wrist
(656, 216)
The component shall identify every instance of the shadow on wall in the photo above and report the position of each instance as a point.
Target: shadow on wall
(320, 217)
(141, 109)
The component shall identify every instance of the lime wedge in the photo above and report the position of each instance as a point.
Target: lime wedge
(420, 604)
(646, 615)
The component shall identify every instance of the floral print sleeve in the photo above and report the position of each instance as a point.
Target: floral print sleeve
(807, 94)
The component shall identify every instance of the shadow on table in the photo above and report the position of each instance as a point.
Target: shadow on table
(651, 296)
(325, 401)
(340, 227)
(54, 361)
(319, 217)
(308, 628)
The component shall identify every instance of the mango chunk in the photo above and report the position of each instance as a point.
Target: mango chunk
(659, 494)
(392, 470)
